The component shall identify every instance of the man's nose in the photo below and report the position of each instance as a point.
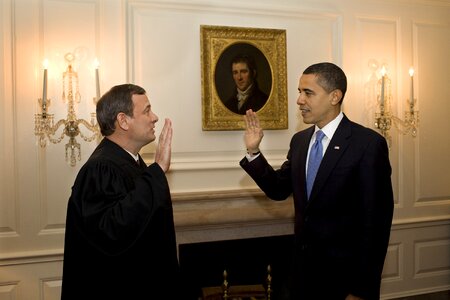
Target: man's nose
(300, 99)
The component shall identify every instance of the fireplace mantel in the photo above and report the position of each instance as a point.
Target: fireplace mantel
(230, 214)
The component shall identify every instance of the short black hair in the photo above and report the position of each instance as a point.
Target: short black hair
(329, 76)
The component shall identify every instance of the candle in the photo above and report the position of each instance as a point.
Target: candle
(97, 80)
(44, 89)
(411, 73)
(383, 73)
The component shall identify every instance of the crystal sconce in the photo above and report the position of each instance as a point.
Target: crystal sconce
(45, 127)
(384, 119)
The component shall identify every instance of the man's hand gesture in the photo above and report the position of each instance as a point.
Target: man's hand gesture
(164, 148)
(253, 132)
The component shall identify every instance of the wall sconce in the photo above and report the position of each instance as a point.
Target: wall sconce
(45, 127)
(384, 118)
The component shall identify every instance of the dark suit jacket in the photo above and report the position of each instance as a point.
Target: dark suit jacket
(255, 101)
(342, 232)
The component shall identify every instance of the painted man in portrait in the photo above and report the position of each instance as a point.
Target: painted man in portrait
(247, 94)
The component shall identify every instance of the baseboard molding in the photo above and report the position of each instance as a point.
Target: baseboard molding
(415, 292)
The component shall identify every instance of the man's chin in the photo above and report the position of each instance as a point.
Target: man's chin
(306, 118)
(151, 139)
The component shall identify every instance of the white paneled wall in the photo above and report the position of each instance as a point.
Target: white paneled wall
(156, 44)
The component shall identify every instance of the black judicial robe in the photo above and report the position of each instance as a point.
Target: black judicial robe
(120, 237)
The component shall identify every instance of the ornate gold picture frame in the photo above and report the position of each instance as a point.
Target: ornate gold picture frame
(267, 48)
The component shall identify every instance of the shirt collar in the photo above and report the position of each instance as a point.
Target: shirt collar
(246, 92)
(136, 157)
(331, 127)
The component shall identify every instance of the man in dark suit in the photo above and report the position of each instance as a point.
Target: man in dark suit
(342, 228)
(247, 94)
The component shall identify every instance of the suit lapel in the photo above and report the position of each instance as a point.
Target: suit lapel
(299, 153)
(335, 150)
(303, 152)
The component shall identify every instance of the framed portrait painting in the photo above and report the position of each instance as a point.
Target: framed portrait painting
(243, 68)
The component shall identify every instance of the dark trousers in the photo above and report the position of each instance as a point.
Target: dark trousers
(314, 276)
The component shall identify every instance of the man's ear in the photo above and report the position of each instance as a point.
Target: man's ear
(122, 120)
(336, 96)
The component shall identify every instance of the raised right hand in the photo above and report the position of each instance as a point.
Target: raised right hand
(164, 148)
(253, 131)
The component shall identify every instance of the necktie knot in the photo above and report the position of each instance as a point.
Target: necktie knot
(315, 157)
(319, 136)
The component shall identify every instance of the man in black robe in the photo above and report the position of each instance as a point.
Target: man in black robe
(120, 238)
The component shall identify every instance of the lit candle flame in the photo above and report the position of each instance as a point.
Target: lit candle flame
(96, 63)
